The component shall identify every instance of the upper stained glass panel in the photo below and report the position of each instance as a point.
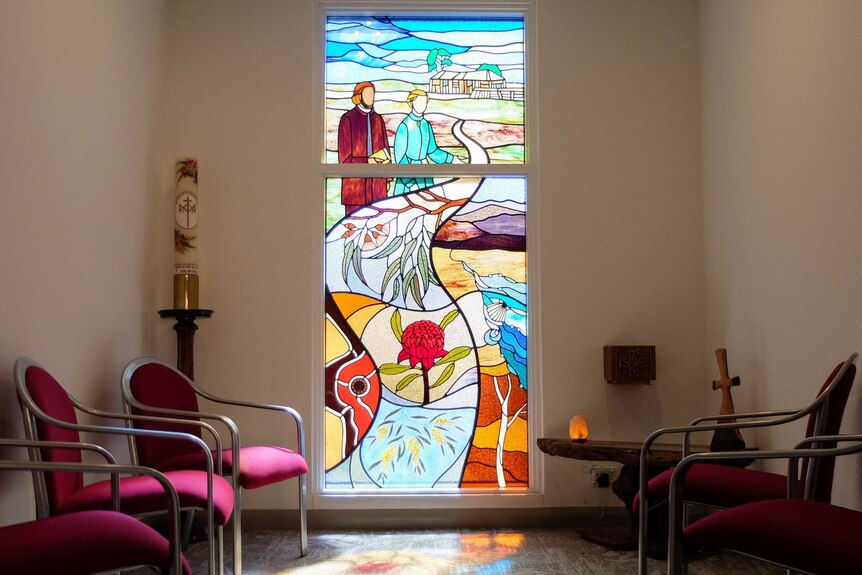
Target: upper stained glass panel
(424, 90)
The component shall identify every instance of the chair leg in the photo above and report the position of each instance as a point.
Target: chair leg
(211, 543)
(237, 531)
(221, 549)
(642, 546)
(643, 532)
(303, 518)
(675, 562)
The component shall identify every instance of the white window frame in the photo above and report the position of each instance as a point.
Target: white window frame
(533, 496)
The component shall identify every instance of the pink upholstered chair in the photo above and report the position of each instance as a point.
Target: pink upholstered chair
(50, 415)
(729, 485)
(797, 534)
(151, 386)
(87, 542)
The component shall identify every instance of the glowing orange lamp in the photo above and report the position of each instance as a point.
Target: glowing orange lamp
(578, 428)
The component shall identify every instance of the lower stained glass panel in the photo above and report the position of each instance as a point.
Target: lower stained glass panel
(426, 337)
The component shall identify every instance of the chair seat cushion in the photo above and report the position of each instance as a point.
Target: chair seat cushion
(807, 535)
(719, 485)
(259, 464)
(82, 543)
(143, 494)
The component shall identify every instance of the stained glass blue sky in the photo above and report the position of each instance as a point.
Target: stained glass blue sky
(363, 48)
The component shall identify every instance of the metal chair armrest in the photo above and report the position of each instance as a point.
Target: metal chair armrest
(825, 438)
(114, 470)
(226, 421)
(749, 415)
(223, 419)
(129, 417)
(793, 454)
(647, 444)
(232, 428)
(83, 446)
(126, 431)
(32, 446)
(793, 461)
(686, 439)
(300, 426)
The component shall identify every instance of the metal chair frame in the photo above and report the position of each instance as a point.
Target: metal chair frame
(112, 468)
(128, 418)
(129, 402)
(32, 412)
(676, 561)
(776, 417)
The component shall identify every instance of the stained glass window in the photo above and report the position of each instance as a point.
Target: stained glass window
(425, 277)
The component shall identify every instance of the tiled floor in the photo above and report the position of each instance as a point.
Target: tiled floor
(449, 552)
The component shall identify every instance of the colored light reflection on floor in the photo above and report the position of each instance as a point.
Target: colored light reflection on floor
(474, 553)
(448, 552)
(486, 553)
(376, 562)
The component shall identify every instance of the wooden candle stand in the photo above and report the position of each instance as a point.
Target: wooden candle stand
(186, 328)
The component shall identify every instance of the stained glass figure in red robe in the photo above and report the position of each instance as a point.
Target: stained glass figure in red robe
(361, 140)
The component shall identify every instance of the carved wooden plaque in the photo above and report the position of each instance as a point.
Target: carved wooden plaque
(630, 363)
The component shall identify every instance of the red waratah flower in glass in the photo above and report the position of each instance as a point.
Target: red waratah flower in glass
(422, 342)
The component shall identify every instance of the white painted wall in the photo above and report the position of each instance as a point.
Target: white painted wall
(80, 160)
(621, 219)
(782, 180)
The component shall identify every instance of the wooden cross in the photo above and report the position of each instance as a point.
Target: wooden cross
(725, 439)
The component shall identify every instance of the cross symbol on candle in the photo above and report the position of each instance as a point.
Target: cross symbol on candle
(188, 206)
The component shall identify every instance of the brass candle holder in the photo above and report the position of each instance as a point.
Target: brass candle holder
(186, 291)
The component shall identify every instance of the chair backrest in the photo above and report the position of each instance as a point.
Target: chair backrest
(153, 383)
(48, 395)
(817, 475)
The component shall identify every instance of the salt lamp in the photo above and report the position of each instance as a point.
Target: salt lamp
(578, 428)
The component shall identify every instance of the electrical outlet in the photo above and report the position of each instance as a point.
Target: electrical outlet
(602, 476)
